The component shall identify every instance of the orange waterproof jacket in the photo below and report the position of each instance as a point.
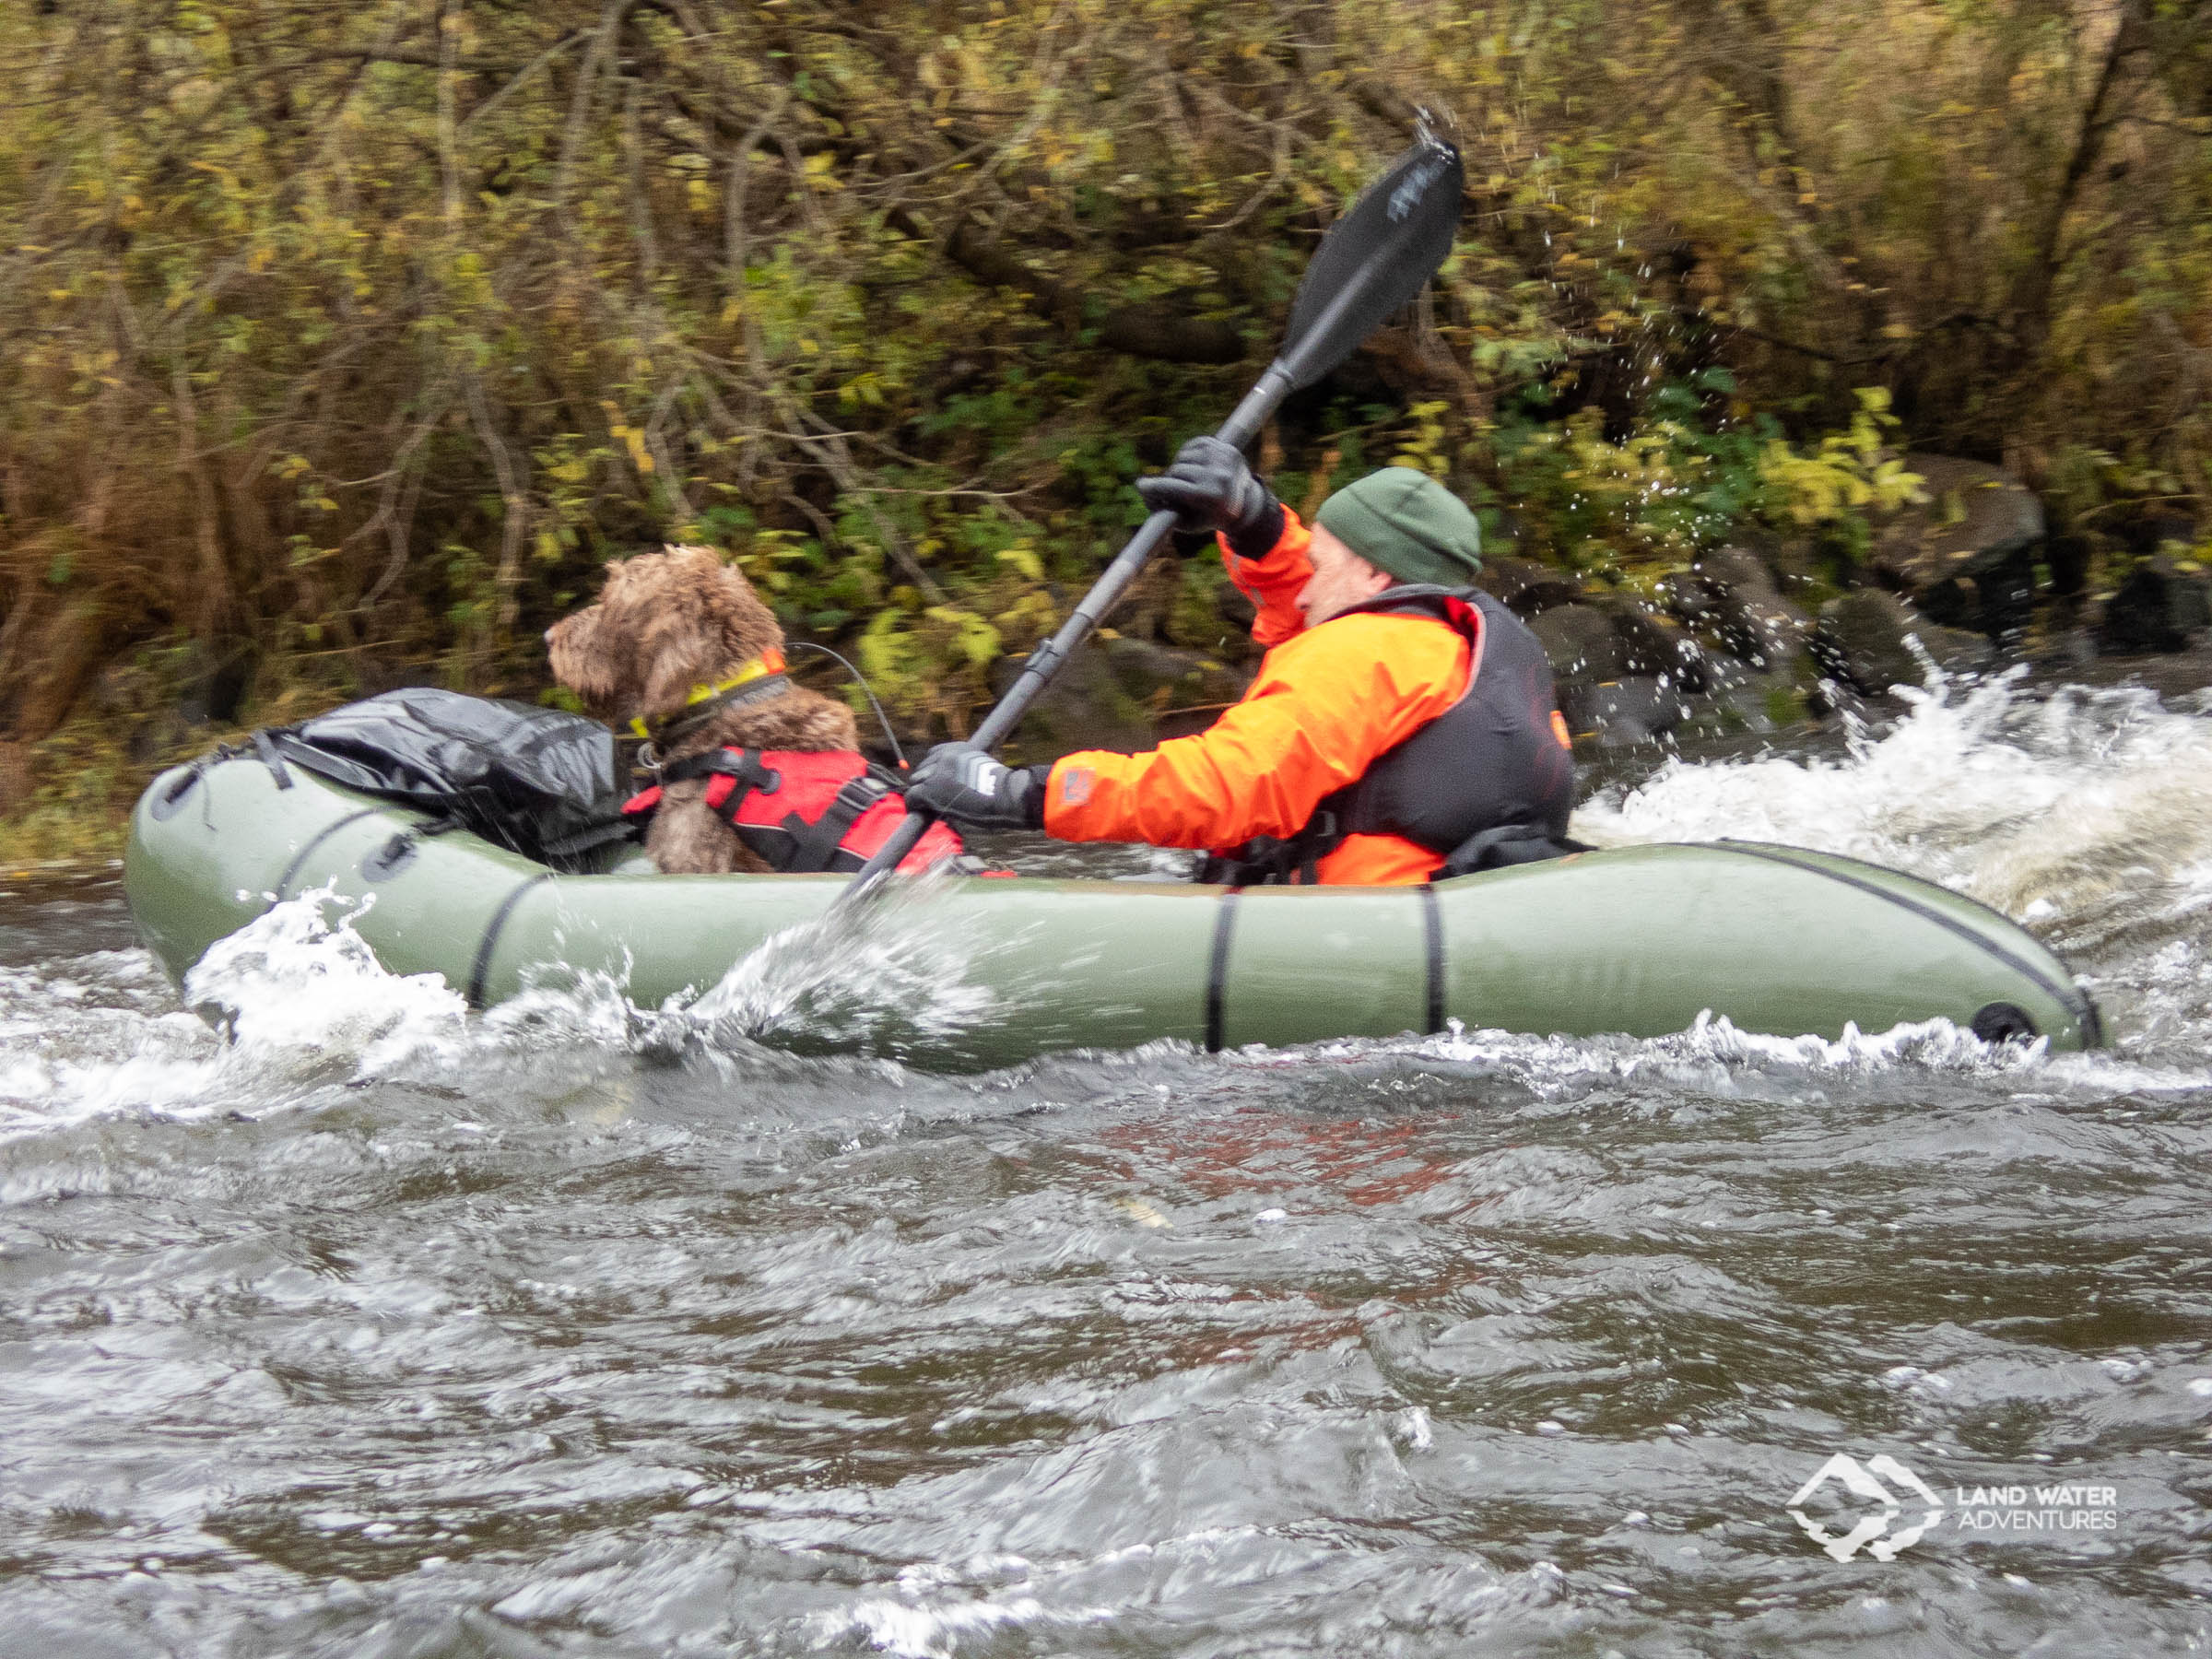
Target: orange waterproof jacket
(1328, 702)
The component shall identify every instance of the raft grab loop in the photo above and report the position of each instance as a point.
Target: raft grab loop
(390, 858)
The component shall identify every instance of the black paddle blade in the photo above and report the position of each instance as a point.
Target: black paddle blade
(1375, 259)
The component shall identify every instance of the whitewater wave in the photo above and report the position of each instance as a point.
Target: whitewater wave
(2020, 799)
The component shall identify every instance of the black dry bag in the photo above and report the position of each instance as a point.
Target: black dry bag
(537, 780)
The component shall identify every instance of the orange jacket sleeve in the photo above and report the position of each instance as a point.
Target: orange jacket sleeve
(1327, 703)
(1272, 580)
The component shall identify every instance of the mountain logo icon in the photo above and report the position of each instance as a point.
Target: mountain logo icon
(1873, 1532)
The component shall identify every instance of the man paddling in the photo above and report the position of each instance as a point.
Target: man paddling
(1402, 726)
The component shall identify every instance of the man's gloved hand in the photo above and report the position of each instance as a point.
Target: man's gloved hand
(960, 782)
(1211, 487)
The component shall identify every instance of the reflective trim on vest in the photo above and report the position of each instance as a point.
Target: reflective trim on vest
(1497, 756)
(803, 811)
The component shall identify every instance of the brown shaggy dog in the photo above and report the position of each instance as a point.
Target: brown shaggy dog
(666, 622)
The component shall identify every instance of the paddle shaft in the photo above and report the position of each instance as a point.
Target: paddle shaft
(1045, 661)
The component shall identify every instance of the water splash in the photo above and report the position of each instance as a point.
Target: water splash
(294, 1009)
(299, 985)
(2007, 794)
(1716, 1056)
(886, 975)
(292, 1003)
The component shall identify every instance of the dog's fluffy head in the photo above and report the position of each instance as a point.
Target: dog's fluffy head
(663, 623)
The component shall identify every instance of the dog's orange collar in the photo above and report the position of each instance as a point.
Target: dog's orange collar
(769, 662)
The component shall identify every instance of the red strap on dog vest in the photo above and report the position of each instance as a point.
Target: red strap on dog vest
(789, 791)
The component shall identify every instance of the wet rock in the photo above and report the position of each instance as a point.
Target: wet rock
(1525, 587)
(2154, 527)
(1580, 643)
(1637, 708)
(2068, 557)
(1863, 641)
(1110, 694)
(2008, 596)
(1976, 533)
(1760, 702)
(1742, 609)
(1619, 671)
(1156, 675)
(1736, 573)
(1691, 603)
(1744, 699)
(1767, 633)
(1655, 643)
(1795, 565)
(2156, 608)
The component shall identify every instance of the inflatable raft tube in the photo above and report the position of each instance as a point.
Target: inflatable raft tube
(1639, 940)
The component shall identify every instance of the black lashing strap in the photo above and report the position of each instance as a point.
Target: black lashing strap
(1217, 967)
(1432, 956)
(292, 871)
(815, 846)
(492, 929)
(746, 769)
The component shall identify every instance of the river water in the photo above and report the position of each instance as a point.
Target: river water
(385, 1330)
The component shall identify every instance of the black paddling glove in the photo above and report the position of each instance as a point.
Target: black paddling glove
(962, 783)
(1210, 488)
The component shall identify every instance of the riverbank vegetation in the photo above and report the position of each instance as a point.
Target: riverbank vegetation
(345, 343)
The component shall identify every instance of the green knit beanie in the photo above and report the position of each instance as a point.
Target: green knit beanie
(1406, 523)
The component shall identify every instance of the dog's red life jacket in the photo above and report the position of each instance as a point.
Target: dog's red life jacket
(802, 810)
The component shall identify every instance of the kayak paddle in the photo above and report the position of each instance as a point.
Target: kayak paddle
(1373, 260)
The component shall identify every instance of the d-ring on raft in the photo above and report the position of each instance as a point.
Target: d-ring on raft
(1639, 940)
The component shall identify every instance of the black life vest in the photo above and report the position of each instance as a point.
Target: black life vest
(1488, 782)
(802, 810)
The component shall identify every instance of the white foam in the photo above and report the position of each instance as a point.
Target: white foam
(913, 1631)
(2084, 814)
(1714, 1055)
(890, 969)
(2013, 797)
(299, 980)
(301, 999)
